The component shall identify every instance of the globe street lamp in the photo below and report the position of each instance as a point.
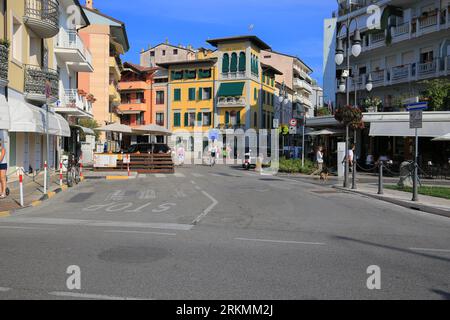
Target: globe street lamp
(343, 84)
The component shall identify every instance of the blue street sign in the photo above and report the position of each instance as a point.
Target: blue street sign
(417, 106)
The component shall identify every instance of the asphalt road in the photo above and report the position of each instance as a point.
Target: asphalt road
(221, 233)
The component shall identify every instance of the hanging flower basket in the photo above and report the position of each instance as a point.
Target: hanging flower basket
(351, 116)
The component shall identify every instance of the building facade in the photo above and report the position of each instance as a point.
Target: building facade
(30, 83)
(164, 53)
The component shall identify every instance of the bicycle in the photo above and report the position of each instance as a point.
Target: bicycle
(73, 171)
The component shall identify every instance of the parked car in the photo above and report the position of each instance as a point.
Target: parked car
(149, 148)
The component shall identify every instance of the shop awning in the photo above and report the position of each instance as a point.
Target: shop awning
(115, 127)
(430, 129)
(231, 89)
(4, 113)
(87, 131)
(25, 117)
(152, 129)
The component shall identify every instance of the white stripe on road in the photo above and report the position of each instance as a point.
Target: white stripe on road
(160, 175)
(207, 210)
(427, 249)
(24, 228)
(91, 296)
(3, 289)
(179, 175)
(141, 232)
(197, 175)
(281, 241)
(100, 223)
(142, 175)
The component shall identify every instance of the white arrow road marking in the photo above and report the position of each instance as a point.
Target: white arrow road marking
(207, 210)
(91, 296)
(281, 241)
(3, 289)
(427, 249)
(141, 232)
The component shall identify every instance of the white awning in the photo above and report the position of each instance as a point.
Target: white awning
(401, 129)
(4, 113)
(25, 117)
(87, 131)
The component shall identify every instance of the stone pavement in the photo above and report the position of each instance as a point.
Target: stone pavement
(428, 204)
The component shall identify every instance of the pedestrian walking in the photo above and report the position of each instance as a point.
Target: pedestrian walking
(213, 153)
(3, 168)
(181, 155)
(319, 161)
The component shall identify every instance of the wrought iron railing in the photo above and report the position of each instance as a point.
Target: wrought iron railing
(4, 50)
(46, 10)
(36, 78)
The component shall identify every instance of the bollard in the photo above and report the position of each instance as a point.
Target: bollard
(21, 187)
(60, 173)
(45, 177)
(380, 179)
(128, 169)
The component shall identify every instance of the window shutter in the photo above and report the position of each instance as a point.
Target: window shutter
(191, 94)
(176, 119)
(227, 117)
(199, 116)
(242, 61)
(234, 62)
(200, 93)
(226, 63)
(238, 116)
(186, 119)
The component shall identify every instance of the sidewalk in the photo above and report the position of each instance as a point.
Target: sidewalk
(33, 191)
(428, 204)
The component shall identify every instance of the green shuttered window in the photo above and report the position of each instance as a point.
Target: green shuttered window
(242, 61)
(176, 119)
(234, 62)
(177, 94)
(192, 94)
(226, 63)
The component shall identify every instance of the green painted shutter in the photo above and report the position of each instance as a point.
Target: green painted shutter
(238, 116)
(191, 94)
(176, 119)
(234, 62)
(227, 117)
(226, 63)
(242, 61)
(186, 119)
(200, 93)
(177, 94)
(199, 116)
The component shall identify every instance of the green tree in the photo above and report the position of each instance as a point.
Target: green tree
(438, 94)
(91, 124)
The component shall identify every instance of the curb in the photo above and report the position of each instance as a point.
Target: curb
(110, 177)
(402, 203)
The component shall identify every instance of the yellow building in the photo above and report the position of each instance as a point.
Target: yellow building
(29, 81)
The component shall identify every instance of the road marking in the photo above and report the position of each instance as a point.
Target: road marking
(426, 249)
(179, 175)
(100, 223)
(197, 175)
(142, 175)
(207, 210)
(24, 228)
(198, 188)
(3, 289)
(281, 241)
(117, 177)
(5, 214)
(141, 232)
(91, 296)
(193, 182)
(160, 175)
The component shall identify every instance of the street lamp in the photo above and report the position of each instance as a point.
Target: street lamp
(343, 83)
(283, 99)
(369, 84)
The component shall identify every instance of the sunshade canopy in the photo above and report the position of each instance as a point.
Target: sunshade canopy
(325, 132)
(445, 137)
(231, 89)
(401, 129)
(152, 129)
(115, 127)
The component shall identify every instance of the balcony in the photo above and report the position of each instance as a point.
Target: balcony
(425, 69)
(400, 73)
(133, 85)
(42, 16)
(303, 100)
(225, 126)
(4, 51)
(233, 75)
(114, 96)
(36, 79)
(302, 85)
(74, 104)
(71, 49)
(134, 106)
(115, 68)
(224, 102)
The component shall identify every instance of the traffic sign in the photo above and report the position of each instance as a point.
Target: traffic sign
(276, 123)
(417, 106)
(292, 130)
(293, 122)
(415, 119)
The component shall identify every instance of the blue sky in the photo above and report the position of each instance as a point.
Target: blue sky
(291, 26)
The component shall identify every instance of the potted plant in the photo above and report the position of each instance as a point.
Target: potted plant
(350, 116)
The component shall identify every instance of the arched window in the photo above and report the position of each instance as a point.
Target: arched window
(226, 63)
(255, 119)
(242, 61)
(227, 117)
(234, 62)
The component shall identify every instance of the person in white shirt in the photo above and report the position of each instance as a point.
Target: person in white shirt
(319, 161)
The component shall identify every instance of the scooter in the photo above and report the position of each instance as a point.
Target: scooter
(248, 163)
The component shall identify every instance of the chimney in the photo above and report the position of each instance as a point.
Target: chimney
(90, 4)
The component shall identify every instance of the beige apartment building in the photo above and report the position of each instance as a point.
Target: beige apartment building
(165, 53)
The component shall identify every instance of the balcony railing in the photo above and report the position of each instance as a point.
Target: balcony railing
(378, 76)
(400, 72)
(42, 16)
(4, 51)
(69, 39)
(427, 67)
(428, 21)
(230, 126)
(233, 75)
(36, 79)
(133, 101)
(401, 29)
(302, 84)
(231, 101)
(72, 99)
(378, 37)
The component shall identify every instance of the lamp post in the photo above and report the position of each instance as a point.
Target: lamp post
(283, 99)
(343, 82)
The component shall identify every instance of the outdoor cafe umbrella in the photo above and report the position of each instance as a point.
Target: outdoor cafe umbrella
(445, 137)
(324, 132)
(153, 129)
(115, 127)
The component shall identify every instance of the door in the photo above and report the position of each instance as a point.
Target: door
(26, 152)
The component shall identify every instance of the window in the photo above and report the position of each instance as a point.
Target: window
(164, 52)
(140, 97)
(159, 97)
(177, 75)
(17, 40)
(226, 63)
(190, 74)
(255, 119)
(177, 94)
(242, 61)
(175, 52)
(191, 94)
(160, 118)
(205, 93)
(177, 119)
(255, 94)
(152, 53)
(234, 62)
(189, 119)
(204, 73)
(206, 119)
